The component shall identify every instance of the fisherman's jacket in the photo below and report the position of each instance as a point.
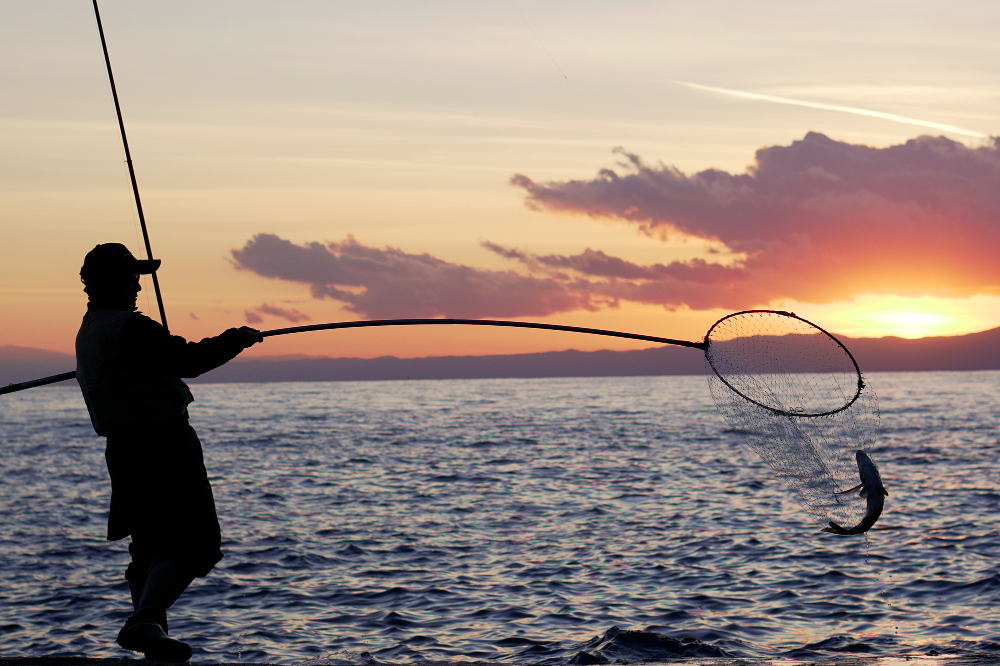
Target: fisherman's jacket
(129, 367)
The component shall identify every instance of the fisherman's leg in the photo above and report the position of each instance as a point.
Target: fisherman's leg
(135, 589)
(142, 558)
(168, 577)
(155, 583)
(178, 523)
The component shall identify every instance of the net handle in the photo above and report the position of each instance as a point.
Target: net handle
(483, 322)
(11, 388)
(782, 412)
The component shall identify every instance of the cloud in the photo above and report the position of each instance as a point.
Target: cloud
(697, 284)
(291, 315)
(390, 283)
(596, 263)
(816, 221)
(254, 316)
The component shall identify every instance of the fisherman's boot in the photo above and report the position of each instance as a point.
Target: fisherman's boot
(166, 580)
(135, 590)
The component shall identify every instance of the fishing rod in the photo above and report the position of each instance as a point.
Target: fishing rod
(11, 388)
(131, 169)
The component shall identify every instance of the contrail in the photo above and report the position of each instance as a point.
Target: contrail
(539, 42)
(834, 107)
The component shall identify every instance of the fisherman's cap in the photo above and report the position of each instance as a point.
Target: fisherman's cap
(113, 260)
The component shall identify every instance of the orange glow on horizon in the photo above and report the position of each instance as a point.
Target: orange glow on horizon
(911, 324)
(875, 316)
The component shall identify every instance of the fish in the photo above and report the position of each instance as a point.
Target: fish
(871, 489)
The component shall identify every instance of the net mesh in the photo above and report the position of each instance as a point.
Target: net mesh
(798, 397)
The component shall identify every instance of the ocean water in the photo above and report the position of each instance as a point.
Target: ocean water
(524, 521)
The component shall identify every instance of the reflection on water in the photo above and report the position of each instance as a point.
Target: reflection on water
(518, 520)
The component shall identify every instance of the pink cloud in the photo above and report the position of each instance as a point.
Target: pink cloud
(291, 314)
(697, 284)
(814, 221)
(254, 316)
(388, 283)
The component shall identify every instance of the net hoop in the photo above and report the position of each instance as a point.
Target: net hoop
(723, 378)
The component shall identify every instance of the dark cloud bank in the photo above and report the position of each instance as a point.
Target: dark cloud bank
(816, 221)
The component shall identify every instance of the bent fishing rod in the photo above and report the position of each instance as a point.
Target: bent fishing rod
(11, 388)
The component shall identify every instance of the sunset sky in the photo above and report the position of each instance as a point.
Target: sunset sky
(639, 166)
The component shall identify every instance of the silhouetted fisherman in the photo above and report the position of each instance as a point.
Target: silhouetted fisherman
(129, 368)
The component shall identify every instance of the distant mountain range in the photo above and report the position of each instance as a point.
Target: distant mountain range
(976, 351)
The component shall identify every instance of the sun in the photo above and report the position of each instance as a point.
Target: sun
(875, 316)
(910, 324)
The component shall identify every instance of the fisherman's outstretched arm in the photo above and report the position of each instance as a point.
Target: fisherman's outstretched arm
(146, 344)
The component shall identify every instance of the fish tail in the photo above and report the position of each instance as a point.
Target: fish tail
(835, 528)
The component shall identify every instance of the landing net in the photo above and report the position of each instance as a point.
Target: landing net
(797, 395)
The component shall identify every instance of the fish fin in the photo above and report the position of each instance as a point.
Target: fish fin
(864, 492)
(849, 490)
(885, 492)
